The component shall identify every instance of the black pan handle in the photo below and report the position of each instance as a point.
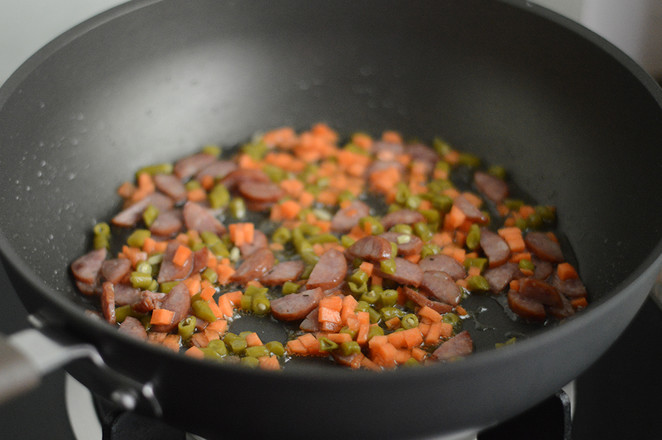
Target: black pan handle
(28, 355)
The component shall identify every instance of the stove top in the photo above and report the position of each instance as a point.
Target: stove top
(617, 398)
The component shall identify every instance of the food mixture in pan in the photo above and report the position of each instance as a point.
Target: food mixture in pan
(364, 250)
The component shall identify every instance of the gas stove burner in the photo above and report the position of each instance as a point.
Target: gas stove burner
(92, 419)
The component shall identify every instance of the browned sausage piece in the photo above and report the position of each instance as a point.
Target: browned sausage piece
(525, 307)
(422, 153)
(201, 219)
(259, 241)
(499, 277)
(178, 301)
(170, 271)
(311, 322)
(370, 248)
(285, 271)
(133, 327)
(170, 185)
(108, 302)
(406, 273)
(167, 223)
(148, 301)
(188, 166)
(443, 263)
(216, 170)
(491, 186)
(115, 270)
(402, 216)
(422, 300)
(261, 192)
(329, 271)
(469, 209)
(200, 259)
(89, 289)
(254, 266)
(391, 147)
(458, 346)
(126, 294)
(563, 311)
(130, 215)
(544, 247)
(572, 288)
(87, 267)
(408, 244)
(495, 248)
(543, 268)
(296, 305)
(539, 291)
(237, 176)
(441, 286)
(346, 218)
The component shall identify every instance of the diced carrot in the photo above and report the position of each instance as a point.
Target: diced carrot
(513, 236)
(306, 200)
(473, 271)
(311, 343)
(325, 314)
(126, 190)
(579, 303)
(149, 245)
(392, 137)
(207, 293)
(196, 194)
(225, 306)
(366, 267)
(234, 297)
(519, 256)
(194, 352)
(172, 342)
(514, 285)
(431, 314)
(193, 284)
(161, 317)
(215, 309)
(392, 323)
(473, 199)
(220, 326)
(397, 339)
(211, 334)
(269, 363)
(253, 339)
(454, 218)
(413, 337)
(384, 355)
(224, 273)
(339, 338)
(460, 310)
(352, 322)
(419, 354)
(295, 346)
(566, 271)
(181, 255)
(402, 355)
(526, 210)
(364, 327)
(289, 209)
(414, 258)
(333, 302)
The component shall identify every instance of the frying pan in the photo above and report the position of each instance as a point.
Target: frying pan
(576, 122)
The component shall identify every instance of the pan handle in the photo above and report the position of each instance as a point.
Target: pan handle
(28, 355)
(656, 292)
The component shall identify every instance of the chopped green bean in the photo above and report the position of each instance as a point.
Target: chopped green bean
(348, 348)
(186, 327)
(387, 266)
(137, 238)
(409, 321)
(202, 310)
(275, 347)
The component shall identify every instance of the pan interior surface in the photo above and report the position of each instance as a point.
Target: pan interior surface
(576, 124)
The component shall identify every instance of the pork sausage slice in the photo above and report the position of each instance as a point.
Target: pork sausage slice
(370, 248)
(406, 273)
(177, 301)
(544, 247)
(132, 214)
(201, 219)
(525, 307)
(458, 346)
(170, 185)
(443, 263)
(188, 166)
(296, 306)
(491, 186)
(402, 216)
(422, 300)
(408, 244)
(254, 266)
(167, 223)
(499, 277)
(133, 327)
(86, 268)
(285, 271)
(116, 269)
(495, 248)
(170, 271)
(441, 286)
(346, 218)
(329, 271)
(540, 291)
(261, 192)
(108, 302)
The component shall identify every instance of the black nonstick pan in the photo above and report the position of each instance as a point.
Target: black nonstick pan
(576, 122)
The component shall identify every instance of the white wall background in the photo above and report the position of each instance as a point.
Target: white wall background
(635, 26)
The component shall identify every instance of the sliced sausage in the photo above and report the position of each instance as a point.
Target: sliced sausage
(540, 291)
(201, 219)
(132, 214)
(408, 245)
(86, 268)
(285, 271)
(391, 147)
(543, 246)
(443, 263)
(254, 266)
(115, 270)
(148, 301)
(406, 273)
(495, 248)
(216, 170)
(458, 346)
(261, 192)
(108, 302)
(234, 178)
(311, 322)
(170, 185)
(170, 271)
(370, 248)
(491, 186)
(402, 216)
(259, 241)
(200, 259)
(441, 286)
(329, 271)
(296, 306)
(177, 301)
(133, 327)
(167, 223)
(572, 288)
(89, 289)
(126, 294)
(469, 209)
(565, 310)
(543, 269)
(346, 218)
(420, 299)
(188, 166)
(499, 277)
(422, 153)
(526, 307)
